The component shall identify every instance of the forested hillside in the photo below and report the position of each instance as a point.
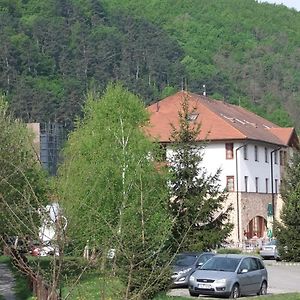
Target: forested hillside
(53, 51)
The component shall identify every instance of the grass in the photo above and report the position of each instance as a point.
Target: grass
(94, 286)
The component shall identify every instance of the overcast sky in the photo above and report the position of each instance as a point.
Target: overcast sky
(289, 3)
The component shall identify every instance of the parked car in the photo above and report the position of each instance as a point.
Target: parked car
(46, 249)
(185, 264)
(270, 250)
(230, 275)
(16, 243)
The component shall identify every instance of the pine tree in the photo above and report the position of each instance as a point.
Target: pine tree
(197, 202)
(288, 230)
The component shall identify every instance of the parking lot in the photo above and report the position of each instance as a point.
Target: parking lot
(283, 278)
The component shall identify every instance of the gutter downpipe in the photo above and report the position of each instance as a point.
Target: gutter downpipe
(237, 191)
(272, 188)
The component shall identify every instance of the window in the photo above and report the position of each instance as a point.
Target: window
(246, 183)
(266, 155)
(256, 153)
(230, 183)
(163, 152)
(284, 158)
(276, 186)
(267, 185)
(193, 116)
(281, 158)
(249, 264)
(256, 184)
(275, 158)
(229, 150)
(245, 152)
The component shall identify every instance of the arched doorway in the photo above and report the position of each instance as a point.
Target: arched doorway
(256, 227)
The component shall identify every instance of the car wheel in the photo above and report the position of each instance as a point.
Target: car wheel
(263, 289)
(193, 294)
(235, 292)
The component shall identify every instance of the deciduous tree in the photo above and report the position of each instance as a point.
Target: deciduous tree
(113, 193)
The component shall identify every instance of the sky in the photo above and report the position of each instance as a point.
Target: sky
(289, 3)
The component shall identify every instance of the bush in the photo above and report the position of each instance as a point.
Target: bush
(229, 251)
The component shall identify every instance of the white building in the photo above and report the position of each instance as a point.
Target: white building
(250, 150)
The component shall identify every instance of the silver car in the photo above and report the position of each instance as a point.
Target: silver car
(230, 275)
(269, 250)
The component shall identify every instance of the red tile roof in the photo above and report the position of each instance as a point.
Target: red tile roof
(219, 121)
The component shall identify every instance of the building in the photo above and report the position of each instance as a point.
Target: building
(250, 150)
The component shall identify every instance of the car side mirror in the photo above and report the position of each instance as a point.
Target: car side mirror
(200, 264)
(243, 271)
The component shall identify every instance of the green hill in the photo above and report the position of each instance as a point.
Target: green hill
(53, 51)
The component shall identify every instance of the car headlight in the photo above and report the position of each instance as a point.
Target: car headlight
(220, 281)
(184, 271)
(192, 278)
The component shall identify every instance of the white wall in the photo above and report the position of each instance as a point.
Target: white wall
(214, 157)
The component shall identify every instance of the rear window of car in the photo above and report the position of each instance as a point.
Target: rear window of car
(271, 243)
(185, 260)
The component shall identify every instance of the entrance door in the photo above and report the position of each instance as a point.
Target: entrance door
(256, 227)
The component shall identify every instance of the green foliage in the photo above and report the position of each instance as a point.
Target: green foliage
(23, 183)
(52, 50)
(112, 191)
(229, 251)
(197, 200)
(288, 231)
(237, 48)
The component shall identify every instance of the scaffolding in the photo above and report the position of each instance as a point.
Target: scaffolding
(52, 138)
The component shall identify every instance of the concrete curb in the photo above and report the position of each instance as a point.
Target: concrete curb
(282, 263)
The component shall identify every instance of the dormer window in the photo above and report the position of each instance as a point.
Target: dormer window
(193, 116)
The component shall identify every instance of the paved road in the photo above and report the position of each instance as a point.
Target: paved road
(6, 283)
(283, 278)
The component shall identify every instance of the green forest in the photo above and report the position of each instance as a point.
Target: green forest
(54, 51)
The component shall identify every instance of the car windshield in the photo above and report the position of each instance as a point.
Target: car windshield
(225, 264)
(185, 259)
(272, 243)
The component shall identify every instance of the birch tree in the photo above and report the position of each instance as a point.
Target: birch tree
(114, 194)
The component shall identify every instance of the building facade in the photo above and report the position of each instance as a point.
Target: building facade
(250, 151)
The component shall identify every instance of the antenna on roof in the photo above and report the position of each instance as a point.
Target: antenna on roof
(185, 85)
(157, 106)
(204, 90)
(182, 84)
